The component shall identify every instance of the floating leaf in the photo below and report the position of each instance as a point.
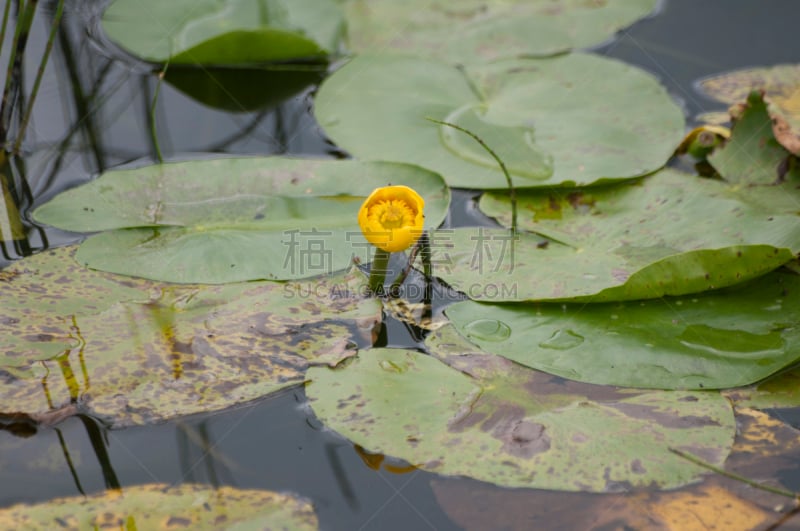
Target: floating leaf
(472, 30)
(228, 220)
(715, 340)
(168, 350)
(753, 155)
(582, 118)
(154, 506)
(225, 32)
(495, 421)
(781, 87)
(629, 241)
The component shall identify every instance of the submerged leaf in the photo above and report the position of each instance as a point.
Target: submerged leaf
(630, 241)
(141, 356)
(470, 31)
(495, 421)
(225, 32)
(781, 87)
(153, 506)
(242, 89)
(720, 339)
(228, 220)
(697, 508)
(578, 119)
(782, 390)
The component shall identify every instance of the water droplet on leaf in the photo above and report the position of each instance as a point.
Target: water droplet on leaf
(562, 340)
(488, 330)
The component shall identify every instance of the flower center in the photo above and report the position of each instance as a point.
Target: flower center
(392, 214)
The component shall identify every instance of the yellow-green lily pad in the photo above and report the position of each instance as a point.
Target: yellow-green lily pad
(135, 356)
(160, 506)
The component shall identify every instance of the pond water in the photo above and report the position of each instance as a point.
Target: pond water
(93, 113)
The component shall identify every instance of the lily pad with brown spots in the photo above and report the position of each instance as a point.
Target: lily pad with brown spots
(668, 234)
(163, 350)
(159, 506)
(487, 418)
(780, 85)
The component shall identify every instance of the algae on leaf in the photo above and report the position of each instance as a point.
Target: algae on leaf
(574, 120)
(470, 31)
(225, 32)
(719, 339)
(154, 505)
(137, 356)
(489, 419)
(234, 219)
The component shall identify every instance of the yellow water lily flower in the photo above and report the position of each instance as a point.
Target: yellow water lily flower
(391, 218)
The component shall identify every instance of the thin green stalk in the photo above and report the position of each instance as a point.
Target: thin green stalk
(24, 23)
(39, 75)
(6, 12)
(696, 460)
(82, 109)
(377, 273)
(153, 127)
(511, 192)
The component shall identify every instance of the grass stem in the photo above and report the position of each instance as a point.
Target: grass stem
(39, 75)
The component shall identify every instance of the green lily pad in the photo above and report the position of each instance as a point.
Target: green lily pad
(753, 154)
(781, 88)
(720, 339)
(225, 32)
(630, 241)
(582, 119)
(154, 506)
(492, 420)
(168, 350)
(475, 30)
(228, 220)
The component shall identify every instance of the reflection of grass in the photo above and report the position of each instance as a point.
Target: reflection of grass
(11, 90)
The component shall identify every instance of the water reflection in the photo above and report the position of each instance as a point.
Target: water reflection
(18, 238)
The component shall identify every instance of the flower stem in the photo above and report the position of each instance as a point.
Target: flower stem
(423, 247)
(696, 460)
(512, 193)
(377, 273)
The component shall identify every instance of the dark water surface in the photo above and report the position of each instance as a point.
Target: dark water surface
(93, 113)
